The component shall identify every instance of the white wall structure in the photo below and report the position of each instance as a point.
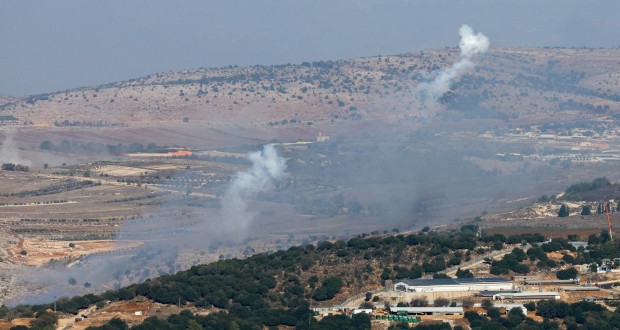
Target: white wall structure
(454, 284)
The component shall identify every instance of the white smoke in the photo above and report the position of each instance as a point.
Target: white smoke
(267, 167)
(9, 153)
(470, 45)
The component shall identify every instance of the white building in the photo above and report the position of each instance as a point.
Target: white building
(526, 295)
(454, 284)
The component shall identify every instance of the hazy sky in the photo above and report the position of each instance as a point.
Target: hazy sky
(47, 46)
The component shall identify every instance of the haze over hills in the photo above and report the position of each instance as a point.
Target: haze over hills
(365, 151)
(523, 86)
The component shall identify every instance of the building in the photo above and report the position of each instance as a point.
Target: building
(526, 295)
(579, 244)
(581, 288)
(523, 278)
(550, 282)
(428, 310)
(454, 284)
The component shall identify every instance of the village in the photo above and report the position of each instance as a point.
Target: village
(445, 299)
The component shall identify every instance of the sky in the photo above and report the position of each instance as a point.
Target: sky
(48, 46)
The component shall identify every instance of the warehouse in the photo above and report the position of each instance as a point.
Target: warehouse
(428, 310)
(526, 295)
(453, 284)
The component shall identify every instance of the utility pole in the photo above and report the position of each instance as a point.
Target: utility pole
(607, 210)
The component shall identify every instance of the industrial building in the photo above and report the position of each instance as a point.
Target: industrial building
(428, 310)
(551, 282)
(526, 295)
(454, 284)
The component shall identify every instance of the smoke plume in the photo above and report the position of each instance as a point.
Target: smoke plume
(267, 166)
(9, 153)
(470, 45)
(162, 239)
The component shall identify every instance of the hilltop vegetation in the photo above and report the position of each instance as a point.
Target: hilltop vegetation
(507, 84)
(597, 190)
(278, 288)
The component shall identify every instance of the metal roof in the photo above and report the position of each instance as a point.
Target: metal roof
(528, 294)
(453, 281)
(427, 309)
(487, 293)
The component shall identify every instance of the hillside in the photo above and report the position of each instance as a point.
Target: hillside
(277, 289)
(521, 85)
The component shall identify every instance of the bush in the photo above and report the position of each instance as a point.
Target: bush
(330, 287)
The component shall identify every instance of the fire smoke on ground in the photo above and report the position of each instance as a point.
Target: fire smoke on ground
(232, 223)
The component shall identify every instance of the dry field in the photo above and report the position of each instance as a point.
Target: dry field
(41, 251)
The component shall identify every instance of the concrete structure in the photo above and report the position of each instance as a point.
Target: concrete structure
(428, 310)
(551, 282)
(490, 294)
(580, 288)
(578, 244)
(453, 284)
(523, 278)
(526, 295)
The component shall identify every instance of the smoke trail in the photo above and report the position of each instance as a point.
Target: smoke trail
(470, 45)
(267, 166)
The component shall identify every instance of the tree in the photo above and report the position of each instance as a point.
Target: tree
(466, 273)
(468, 303)
(441, 302)
(330, 287)
(564, 211)
(486, 303)
(46, 145)
(366, 305)
(493, 312)
(531, 306)
(552, 309)
(567, 274)
(586, 210)
(419, 302)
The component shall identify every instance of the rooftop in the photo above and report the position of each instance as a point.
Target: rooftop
(427, 309)
(453, 281)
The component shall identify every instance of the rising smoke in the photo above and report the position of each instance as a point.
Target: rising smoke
(163, 239)
(470, 45)
(267, 166)
(9, 153)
